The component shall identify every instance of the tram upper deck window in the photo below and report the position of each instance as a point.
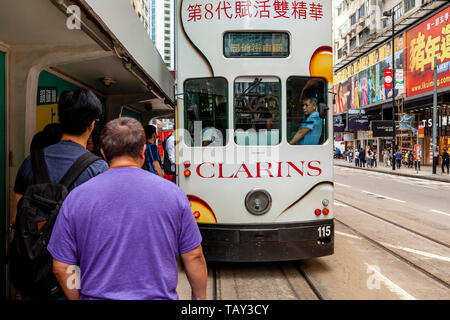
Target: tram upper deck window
(257, 111)
(205, 112)
(256, 44)
(306, 124)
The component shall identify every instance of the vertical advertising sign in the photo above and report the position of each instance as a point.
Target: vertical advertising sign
(388, 78)
(429, 39)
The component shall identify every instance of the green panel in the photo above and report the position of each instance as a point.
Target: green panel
(2, 170)
(131, 114)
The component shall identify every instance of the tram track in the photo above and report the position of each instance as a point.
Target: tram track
(382, 246)
(299, 289)
(393, 223)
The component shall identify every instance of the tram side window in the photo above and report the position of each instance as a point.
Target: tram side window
(305, 123)
(206, 115)
(257, 111)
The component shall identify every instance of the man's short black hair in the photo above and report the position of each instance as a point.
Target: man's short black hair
(149, 131)
(77, 109)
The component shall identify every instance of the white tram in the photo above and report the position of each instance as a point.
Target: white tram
(254, 126)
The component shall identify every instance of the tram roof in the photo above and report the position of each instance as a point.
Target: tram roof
(124, 50)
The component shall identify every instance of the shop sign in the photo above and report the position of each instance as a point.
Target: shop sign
(358, 120)
(426, 41)
(338, 123)
(382, 128)
(421, 131)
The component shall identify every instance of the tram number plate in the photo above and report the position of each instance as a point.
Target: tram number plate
(324, 231)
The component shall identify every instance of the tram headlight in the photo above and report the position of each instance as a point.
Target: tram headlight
(258, 202)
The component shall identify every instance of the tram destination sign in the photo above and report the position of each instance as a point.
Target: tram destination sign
(256, 44)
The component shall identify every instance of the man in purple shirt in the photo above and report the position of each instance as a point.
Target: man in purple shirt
(126, 228)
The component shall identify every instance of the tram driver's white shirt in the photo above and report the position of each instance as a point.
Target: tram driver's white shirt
(170, 147)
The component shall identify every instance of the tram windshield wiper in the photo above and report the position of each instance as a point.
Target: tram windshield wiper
(252, 85)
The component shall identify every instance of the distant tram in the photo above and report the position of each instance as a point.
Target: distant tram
(254, 126)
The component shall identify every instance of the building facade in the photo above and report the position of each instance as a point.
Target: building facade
(363, 69)
(158, 17)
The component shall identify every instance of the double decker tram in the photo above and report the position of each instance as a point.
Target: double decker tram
(254, 126)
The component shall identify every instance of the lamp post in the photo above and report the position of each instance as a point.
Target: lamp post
(386, 14)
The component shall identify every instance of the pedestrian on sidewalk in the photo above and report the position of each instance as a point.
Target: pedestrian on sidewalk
(410, 159)
(362, 158)
(374, 159)
(445, 160)
(357, 158)
(398, 158)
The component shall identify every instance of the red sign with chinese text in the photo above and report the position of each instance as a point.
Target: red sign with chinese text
(388, 78)
(429, 39)
(256, 9)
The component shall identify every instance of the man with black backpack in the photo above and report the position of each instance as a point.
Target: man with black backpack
(42, 183)
(169, 156)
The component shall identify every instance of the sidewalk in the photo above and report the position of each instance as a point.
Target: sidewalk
(424, 173)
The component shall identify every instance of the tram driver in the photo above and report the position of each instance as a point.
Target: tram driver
(310, 131)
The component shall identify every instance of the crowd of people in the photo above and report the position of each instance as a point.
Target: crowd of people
(398, 158)
(120, 223)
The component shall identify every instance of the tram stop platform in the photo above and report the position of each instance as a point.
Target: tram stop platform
(426, 172)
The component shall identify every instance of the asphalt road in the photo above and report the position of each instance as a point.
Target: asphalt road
(392, 237)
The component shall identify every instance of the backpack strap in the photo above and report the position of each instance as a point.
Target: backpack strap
(81, 164)
(39, 166)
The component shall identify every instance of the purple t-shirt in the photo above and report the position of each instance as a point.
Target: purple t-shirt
(125, 229)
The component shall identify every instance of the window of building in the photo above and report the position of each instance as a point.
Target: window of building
(352, 43)
(206, 111)
(257, 119)
(409, 4)
(361, 12)
(363, 36)
(353, 19)
(305, 125)
(342, 51)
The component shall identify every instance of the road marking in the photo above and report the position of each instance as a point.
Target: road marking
(391, 285)
(379, 195)
(441, 212)
(339, 204)
(341, 184)
(422, 253)
(348, 235)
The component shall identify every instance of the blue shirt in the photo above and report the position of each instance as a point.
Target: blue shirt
(152, 155)
(59, 158)
(126, 241)
(314, 124)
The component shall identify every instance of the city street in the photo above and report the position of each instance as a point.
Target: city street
(391, 242)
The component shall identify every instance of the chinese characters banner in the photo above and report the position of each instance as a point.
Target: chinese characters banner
(255, 9)
(428, 40)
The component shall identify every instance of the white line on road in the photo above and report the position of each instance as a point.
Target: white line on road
(379, 195)
(339, 204)
(391, 285)
(348, 235)
(441, 212)
(422, 253)
(342, 185)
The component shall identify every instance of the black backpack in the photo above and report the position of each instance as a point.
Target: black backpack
(30, 262)
(167, 166)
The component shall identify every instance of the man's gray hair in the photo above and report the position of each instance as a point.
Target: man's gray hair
(122, 137)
